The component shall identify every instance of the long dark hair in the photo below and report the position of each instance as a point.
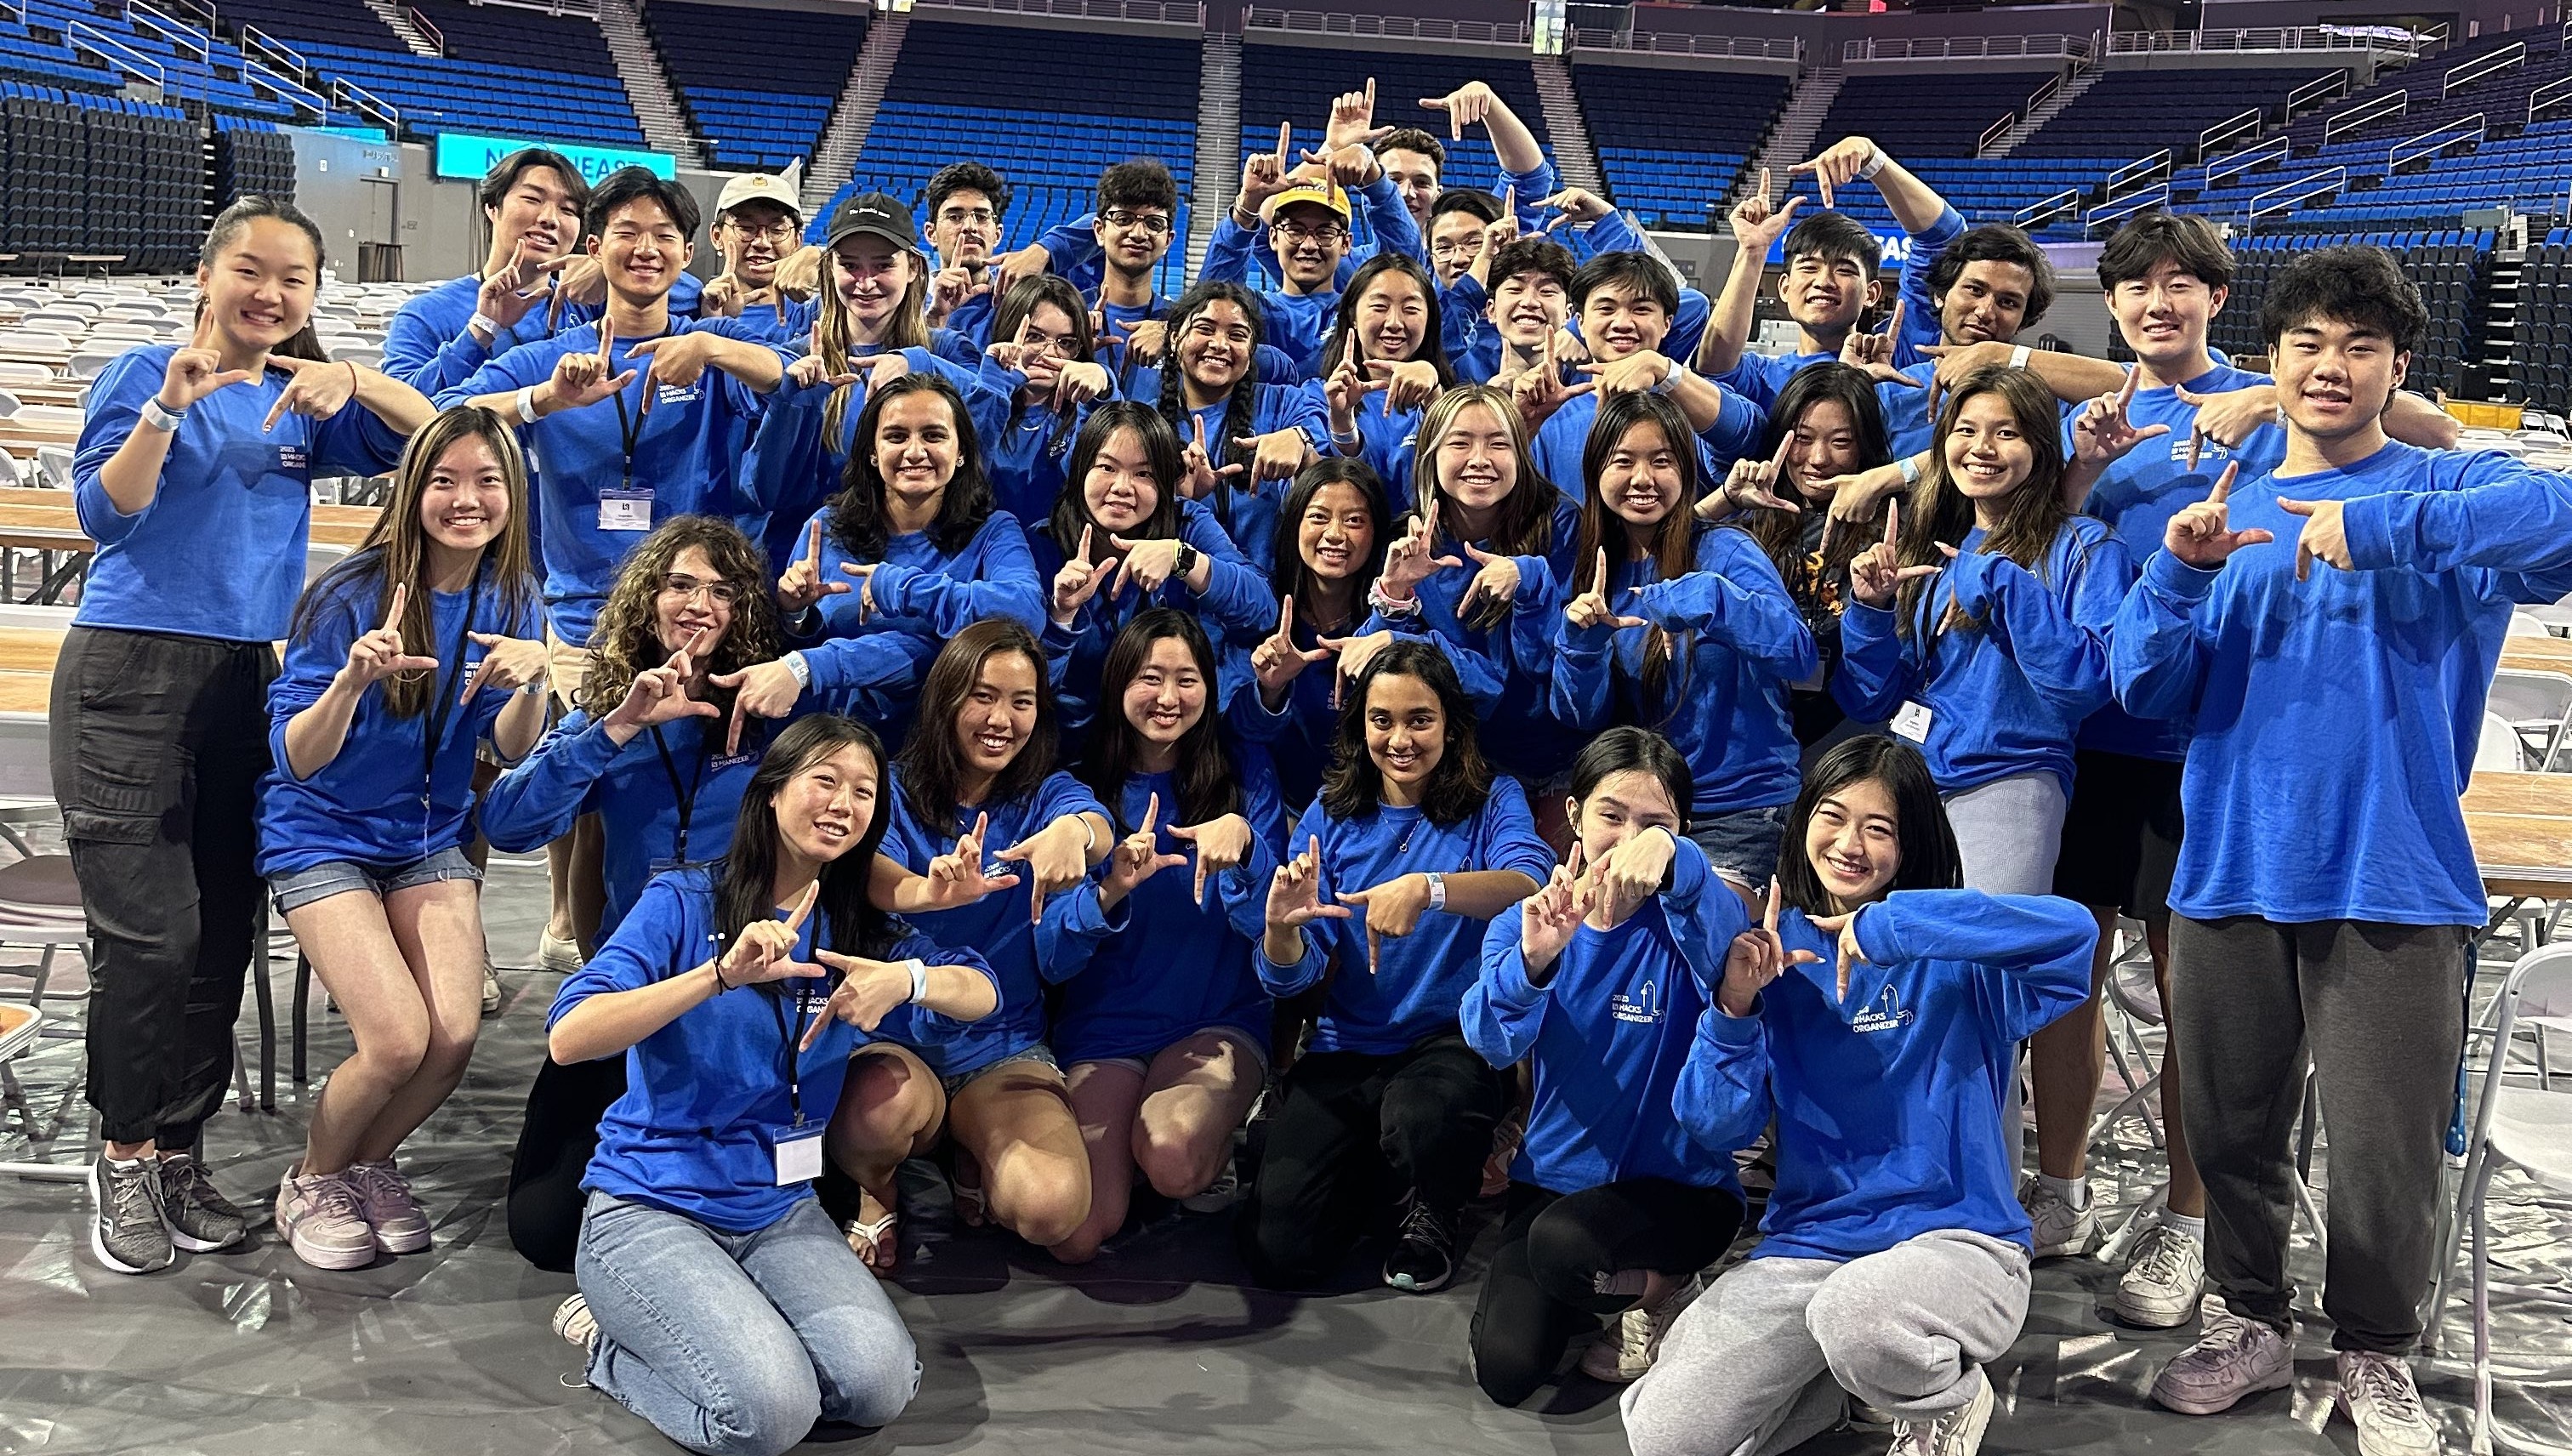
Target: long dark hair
(1290, 576)
(397, 551)
(2031, 517)
(1207, 780)
(1780, 533)
(858, 510)
(1930, 860)
(1021, 300)
(1672, 544)
(1629, 749)
(1160, 445)
(1525, 524)
(1432, 347)
(1460, 784)
(1243, 407)
(745, 882)
(933, 771)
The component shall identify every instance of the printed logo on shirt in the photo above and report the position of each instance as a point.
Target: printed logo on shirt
(1642, 1005)
(679, 395)
(2208, 448)
(1887, 1015)
(292, 457)
(735, 760)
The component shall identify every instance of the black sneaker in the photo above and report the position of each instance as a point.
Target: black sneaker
(200, 1218)
(126, 1233)
(1424, 1251)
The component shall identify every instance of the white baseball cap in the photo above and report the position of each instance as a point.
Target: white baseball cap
(752, 187)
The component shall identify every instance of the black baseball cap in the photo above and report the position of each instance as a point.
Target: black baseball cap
(876, 214)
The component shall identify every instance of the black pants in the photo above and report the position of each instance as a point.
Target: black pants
(1557, 1249)
(2380, 1012)
(554, 1146)
(1353, 1133)
(157, 743)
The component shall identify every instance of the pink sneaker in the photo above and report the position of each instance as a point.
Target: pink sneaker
(384, 1196)
(323, 1221)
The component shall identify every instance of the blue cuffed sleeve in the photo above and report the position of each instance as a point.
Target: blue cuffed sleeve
(2157, 648)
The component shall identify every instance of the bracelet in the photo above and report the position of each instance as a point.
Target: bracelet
(1873, 164)
(1436, 891)
(1391, 606)
(803, 670)
(1090, 836)
(1910, 468)
(352, 377)
(918, 979)
(483, 327)
(721, 984)
(2018, 357)
(165, 421)
(527, 405)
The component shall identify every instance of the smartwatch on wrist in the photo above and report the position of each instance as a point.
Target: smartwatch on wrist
(1184, 561)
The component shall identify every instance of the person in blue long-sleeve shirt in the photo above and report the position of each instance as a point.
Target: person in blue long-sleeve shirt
(533, 201)
(1308, 230)
(1978, 627)
(1246, 426)
(758, 220)
(978, 769)
(1686, 627)
(2324, 910)
(404, 659)
(1625, 302)
(1386, 362)
(1829, 280)
(1164, 1029)
(193, 475)
(1036, 386)
(1874, 1019)
(1121, 538)
(1529, 284)
(1597, 984)
(908, 553)
(717, 1300)
(1328, 555)
(1412, 842)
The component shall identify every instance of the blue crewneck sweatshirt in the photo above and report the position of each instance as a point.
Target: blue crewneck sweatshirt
(2137, 496)
(429, 344)
(2337, 717)
(1737, 645)
(1888, 1103)
(1738, 429)
(705, 1094)
(1023, 956)
(922, 597)
(1235, 609)
(2009, 698)
(790, 469)
(370, 804)
(218, 552)
(686, 452)
(1418, 984)
(1175, 966)
(1606, 1036)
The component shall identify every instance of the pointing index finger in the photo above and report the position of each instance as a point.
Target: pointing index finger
(1894, 523)
(1285, 141)
(2125, 392)
(2223, 491)
(1768, 922)
(804, 907)
(1893, 326)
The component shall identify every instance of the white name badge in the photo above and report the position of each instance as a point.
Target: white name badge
(1912, 722)
(625, 510)
(799, 1154)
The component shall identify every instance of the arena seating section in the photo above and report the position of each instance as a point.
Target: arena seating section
(2544, 364)
(2451, 267)
(758, 88)
(98, 176)
(1672, 165)
(1031, 103)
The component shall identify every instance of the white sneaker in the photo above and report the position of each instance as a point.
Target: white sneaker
(2060, 1228)
(1957, 1433)
(572, 1322)
(490, 989)
(2233, 1359)
(1624, 1354)
(2162, 1287)
(2377, 1396)
(557, 955)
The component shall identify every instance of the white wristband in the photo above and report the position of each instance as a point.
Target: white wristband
(803, 670)
(1436, 891)
(1873, 164)
(165, 421)
(483, 327)
(918, 979)
(527, 405)
(1910, 471)
(2018, 357)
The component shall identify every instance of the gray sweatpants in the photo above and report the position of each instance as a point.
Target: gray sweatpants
(1758, 1363)
(2380, 1008)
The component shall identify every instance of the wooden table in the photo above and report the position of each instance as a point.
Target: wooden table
(2536, 654)
(2520, 826)
(46, 521)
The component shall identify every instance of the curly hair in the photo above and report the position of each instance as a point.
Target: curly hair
(627, 640)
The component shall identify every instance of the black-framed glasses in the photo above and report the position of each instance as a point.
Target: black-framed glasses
(1155, 224)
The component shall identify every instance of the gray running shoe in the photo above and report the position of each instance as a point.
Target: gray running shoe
(125, 1231)
(200, 1218)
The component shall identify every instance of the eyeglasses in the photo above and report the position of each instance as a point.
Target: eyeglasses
(959, 217)
(1456, 248)
(1155, 224)
(774, 231)
(1311, 233)
(683, 587)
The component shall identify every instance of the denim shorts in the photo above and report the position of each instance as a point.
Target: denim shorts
(1252, 1050)
(1039, 1053)
(299, 888)
(1742, 846)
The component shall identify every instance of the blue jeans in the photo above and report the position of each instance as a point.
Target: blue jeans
(734, 1344)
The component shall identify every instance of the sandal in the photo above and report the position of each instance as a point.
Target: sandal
(972, 1206)
(872, 1240)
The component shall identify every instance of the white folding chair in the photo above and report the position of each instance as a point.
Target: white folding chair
(2499, 747)
(2537, 704)
(2527, 624)
(87, 363)
(2529, 1129)
(54, 468)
